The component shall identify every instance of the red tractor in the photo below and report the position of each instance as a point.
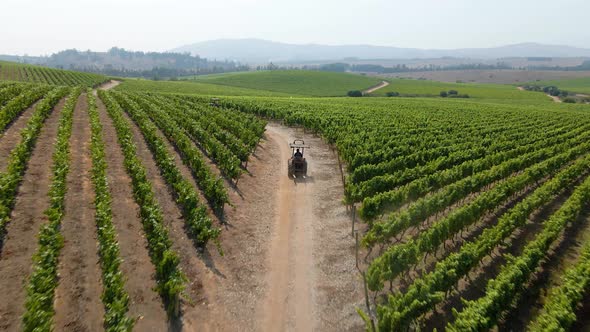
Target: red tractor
(297, 164)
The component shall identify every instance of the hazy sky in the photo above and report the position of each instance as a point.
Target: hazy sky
(43, 27)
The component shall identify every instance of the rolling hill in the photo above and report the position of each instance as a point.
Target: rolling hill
(297, 82)
(262, 51)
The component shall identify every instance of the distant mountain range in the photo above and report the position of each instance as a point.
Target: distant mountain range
(264, 51)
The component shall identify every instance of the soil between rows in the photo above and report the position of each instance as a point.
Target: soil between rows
(145, 304)
(27, 217)
(296, 230)
(77, 298)
(11, 137)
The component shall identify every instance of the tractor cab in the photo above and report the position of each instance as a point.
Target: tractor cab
(297, 164)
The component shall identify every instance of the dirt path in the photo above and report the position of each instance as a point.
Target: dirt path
(77, 298)
(554, 98)
(27, 217)
(11, 137)
(312, 282)
(109, 85)
(136, 264)
(376, 87)
(289, 257)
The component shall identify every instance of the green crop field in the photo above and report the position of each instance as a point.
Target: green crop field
(579, 85)
(28, 73)
(481, 91)
(192, 87)
(466, 213)
(295, 82)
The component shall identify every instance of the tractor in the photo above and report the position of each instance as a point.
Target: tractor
(297, 164)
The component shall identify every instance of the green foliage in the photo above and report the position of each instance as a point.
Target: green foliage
(204, 134)
(20, 103)
(169, 278)
(9, 91)
(414, 162)
(354, 93)
(296, 82)
(20, 155)
(425, 292)
(36, 74)
(114, 296)
(495, 92)
(398, 258)
(43, 280)
(191, 87)
(578, 85)
(569, 100)
(483, 313)
(559, 311)
(195, 213)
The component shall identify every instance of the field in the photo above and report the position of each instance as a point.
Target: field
(498, 76)
(296, 82)
(481, 91)
(578, 85)
(193, 87)
(20, 72)
(142, 206)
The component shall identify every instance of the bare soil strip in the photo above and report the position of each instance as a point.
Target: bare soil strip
(376, 87)
(77, 297)
(289, 256)
(109, 85)
(239, 276)
(11, 137)
(312, 281)
(554, 98)
(27, 217)
(136, 264)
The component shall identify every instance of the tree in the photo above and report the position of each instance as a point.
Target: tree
(453, 92)
(355, 93)
(392, 94)
(443, 94)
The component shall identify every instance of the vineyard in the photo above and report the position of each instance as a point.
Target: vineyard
(145, 207)
(456, 193)
(294, 82)
(213, 146)
(10, 71)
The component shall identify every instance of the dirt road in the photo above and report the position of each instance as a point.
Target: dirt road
(554, 98)
(289, 258)
(376, 87)
(109, 85)
(311, 281)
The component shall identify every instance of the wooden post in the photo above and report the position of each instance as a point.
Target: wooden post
(367, 303)
(353, 218)
(356, 243)
(341, 170)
